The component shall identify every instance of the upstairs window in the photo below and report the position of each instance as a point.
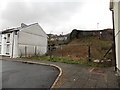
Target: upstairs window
(8, 38)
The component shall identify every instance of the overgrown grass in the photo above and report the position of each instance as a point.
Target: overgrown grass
(98, 46)
(66, 60)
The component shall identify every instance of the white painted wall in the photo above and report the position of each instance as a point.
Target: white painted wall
(3, 49)
(11, 44)
(0, 37)
(0, 42)
(5, 44)
(15, 48)
(29, 41)
(117, 29)
(30, 38)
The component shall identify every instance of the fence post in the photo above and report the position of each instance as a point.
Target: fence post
(35, 50)
(89, 55)
(61, 50)
(50, 52)
(25, 51)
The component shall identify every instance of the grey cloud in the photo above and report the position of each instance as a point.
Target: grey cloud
(56, 15)
(49, 13)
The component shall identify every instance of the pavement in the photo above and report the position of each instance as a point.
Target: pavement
(22, 75)
(79, 76)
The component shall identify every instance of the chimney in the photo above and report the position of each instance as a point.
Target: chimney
(23, 25)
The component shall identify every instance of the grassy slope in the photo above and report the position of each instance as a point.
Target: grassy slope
(98, 49)
(66, 60)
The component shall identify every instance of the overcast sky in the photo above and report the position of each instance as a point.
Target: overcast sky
(56, 16)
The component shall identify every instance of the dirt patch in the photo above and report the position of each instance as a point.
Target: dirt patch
(98, 70)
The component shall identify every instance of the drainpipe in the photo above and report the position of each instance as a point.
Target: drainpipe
(114, 48)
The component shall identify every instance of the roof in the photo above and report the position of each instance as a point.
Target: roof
(19, 28)
(8, 30)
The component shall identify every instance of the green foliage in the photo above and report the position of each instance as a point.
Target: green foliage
(66, 60)
(98, 46)
(73, 34)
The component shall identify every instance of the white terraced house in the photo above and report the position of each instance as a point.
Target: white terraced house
(24, 41)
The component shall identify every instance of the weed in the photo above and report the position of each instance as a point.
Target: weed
(65, 60)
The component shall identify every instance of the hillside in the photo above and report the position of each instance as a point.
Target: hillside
(98, 48)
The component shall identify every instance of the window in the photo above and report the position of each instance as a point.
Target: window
(8, 38)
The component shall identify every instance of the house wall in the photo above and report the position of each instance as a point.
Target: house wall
(117, 31)
(5, 44)
(32, 41)
(0, 42)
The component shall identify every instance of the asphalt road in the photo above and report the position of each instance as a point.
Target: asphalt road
(21, 75)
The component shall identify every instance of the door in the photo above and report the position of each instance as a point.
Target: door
(8, 49)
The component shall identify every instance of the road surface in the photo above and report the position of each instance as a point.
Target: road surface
(21, 75)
